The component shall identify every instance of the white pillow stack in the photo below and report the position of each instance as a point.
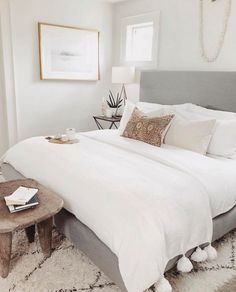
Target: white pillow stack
(187, 130)
(151, 109)
(223, 141)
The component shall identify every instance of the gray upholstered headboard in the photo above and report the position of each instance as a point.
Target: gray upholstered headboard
(216, 90)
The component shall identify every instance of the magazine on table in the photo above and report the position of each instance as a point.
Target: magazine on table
(23, 198)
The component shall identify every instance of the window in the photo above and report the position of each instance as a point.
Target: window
(139, 40)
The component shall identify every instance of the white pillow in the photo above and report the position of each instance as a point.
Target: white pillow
(129, 107)
(185, 114)
(223, 142)
(219, 115)
(190, 132)
(148, 106)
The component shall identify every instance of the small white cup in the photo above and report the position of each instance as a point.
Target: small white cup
(109, 113)
(71, 134)
(64, 138)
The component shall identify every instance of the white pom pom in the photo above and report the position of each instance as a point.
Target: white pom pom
(211, 252)
(199, 255)
(184, 265)
(163, 286)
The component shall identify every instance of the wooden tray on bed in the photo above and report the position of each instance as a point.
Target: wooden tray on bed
(59, 141)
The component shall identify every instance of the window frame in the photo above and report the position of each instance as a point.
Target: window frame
(130, 32)
(153, 17)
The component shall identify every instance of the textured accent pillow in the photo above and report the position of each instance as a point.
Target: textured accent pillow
(128, 110)
(150, 130)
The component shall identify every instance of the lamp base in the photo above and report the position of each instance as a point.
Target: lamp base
(123, 94)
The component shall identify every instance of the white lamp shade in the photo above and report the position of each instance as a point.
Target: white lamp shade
(123, 75)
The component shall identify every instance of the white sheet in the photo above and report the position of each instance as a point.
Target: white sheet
(134, 196)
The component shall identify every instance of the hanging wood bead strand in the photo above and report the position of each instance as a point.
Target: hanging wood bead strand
(220, 43)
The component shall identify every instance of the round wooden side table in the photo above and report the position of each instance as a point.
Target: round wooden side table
(41, 215)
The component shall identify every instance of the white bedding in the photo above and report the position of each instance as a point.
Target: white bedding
(216, 174)
(147, 204)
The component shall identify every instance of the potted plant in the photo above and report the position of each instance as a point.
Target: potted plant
(114, 103)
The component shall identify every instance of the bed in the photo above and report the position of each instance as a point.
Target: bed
(205, 88)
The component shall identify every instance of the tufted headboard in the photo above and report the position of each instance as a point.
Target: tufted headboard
(215, 90)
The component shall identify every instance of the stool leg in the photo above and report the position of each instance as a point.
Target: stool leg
(30, 232)
(45, 235)
(5, 253)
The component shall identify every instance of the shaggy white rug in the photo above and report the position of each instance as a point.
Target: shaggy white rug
(68, 270)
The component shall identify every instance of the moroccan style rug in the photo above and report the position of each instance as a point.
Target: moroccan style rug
(68, 270)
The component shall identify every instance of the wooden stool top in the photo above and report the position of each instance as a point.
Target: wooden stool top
(49, 205)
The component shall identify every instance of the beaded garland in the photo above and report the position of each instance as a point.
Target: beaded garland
(204, 54)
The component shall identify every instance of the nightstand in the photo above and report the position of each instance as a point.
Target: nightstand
(112, 121)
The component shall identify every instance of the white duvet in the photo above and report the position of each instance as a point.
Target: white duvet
(147, 204)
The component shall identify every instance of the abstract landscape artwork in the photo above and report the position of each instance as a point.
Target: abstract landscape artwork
(68, 53)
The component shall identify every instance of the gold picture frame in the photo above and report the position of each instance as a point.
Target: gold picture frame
(68, 53)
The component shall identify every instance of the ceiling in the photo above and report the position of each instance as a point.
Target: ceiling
(114, 1)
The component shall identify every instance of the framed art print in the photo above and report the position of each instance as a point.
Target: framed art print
(68, 53)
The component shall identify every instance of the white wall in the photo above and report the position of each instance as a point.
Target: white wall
(8, 125)
(179, 47)
(48, 107)
(3, 117)
(45, 107)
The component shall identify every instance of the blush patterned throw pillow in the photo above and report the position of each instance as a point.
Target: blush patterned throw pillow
(150, 130)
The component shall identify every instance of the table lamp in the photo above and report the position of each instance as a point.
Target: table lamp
(123, 75)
